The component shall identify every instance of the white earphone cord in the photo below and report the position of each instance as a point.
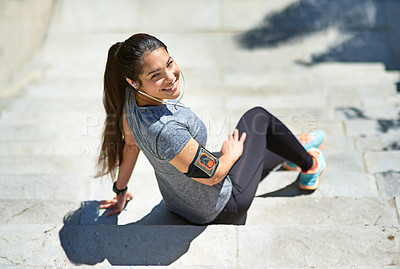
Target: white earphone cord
(161, 101)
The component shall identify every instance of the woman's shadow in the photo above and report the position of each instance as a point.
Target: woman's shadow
(159, 238)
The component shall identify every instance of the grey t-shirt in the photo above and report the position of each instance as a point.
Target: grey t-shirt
(161, 132)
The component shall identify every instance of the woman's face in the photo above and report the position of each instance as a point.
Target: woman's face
(160, 77)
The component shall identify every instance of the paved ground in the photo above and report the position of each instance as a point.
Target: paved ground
(50, 137)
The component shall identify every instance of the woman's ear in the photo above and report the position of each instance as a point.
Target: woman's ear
(131, 82)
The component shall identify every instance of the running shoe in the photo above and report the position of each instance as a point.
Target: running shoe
(316, 139)
(310, 180)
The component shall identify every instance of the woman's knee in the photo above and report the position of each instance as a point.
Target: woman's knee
(257, 110)
(256, 120)
(258, 113)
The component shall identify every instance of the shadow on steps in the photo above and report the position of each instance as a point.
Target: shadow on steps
(290, 190)
(159, 238)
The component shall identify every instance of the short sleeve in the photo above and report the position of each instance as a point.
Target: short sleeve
(171, 139)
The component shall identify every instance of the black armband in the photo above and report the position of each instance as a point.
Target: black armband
(203, 165)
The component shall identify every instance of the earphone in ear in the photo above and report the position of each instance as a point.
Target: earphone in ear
(151, 97)
(133, 84)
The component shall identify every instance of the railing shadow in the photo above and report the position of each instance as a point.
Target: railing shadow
(370, 29)
(159, 238)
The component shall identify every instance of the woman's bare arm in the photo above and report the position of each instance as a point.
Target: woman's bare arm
(230, 152)
(129, 157)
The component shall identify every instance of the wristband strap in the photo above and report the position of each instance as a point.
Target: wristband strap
(118, 192)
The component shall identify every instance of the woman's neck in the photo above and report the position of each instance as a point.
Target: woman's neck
(142, 100)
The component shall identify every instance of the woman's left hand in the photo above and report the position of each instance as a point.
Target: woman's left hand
(233, 146)
(117, 204)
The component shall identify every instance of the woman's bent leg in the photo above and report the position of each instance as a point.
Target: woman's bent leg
(267, 140)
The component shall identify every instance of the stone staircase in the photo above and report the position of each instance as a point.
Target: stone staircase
(51, 134)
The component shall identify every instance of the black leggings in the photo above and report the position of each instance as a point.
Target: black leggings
(268, 143)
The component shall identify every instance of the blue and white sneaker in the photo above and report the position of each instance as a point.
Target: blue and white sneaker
(310, 180)
(316, 139)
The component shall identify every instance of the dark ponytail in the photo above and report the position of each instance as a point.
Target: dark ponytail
(124, 60)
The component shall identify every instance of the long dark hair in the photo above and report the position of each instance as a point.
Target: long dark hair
(125, 60)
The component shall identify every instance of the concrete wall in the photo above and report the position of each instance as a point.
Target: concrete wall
(23, 26)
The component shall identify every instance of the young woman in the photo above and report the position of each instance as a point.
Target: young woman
(200, 186)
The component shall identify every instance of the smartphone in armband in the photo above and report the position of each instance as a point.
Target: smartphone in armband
(203, 165)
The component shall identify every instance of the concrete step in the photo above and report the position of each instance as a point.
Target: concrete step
(117, 19)
(365, 127)
(338, 144)
(14, 164)
(331, 68)
(75, 186)
(368, 211)
(219, 123)
(258, 79)
(333, 182)
(143, 184)
(389, 185)
(56, 164)
(376, 112)
(357, 123)
(361, 101)
(278, 246)
(92, 48)
(381, 142)
(319, 246)
(382, 161)
(353, 78)
(361, 72)
(345, 89)
(287, 108)
(83, 146)
(279, 101)
(86, 128)
(68, 118)
(345, 162)
(35, 211)
(71, 187)
(84, 140)
(51, 105)
(60, 87)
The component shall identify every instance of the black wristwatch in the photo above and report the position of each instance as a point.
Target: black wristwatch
(118, 192)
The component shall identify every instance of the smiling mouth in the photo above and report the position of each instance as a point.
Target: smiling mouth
(172, 88)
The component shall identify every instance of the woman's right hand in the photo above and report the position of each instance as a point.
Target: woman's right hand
(233, 146)
(117, 204)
